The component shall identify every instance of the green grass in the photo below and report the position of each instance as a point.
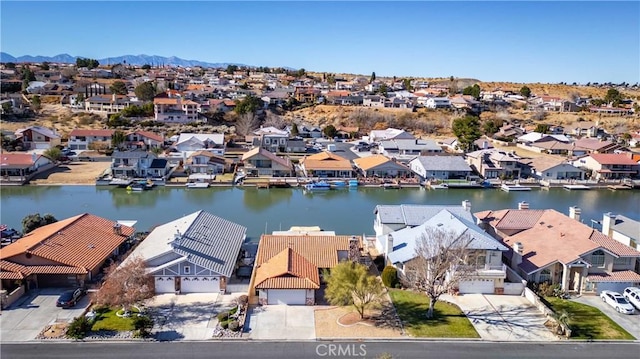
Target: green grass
(587, 322)
(448, 321)
(108, 320)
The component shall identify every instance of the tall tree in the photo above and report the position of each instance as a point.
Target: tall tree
(439, 265)
(330, 131)
(246, 123)
(126, 285)
(350, 283)
(248, 104)
(472, 91)
(231, 69)
(467, 129)
(36, 102)
(146, 91)
(613, 97)
(525, 91)
(117, 139)
(407, 84)
(118, 88)
(373, 77)
(33, 221)
(294, 130)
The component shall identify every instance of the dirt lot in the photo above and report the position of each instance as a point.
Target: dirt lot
(378, 326)
(80, 173)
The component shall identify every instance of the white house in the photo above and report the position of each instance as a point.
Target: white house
(437, 102)
(440, 167)
(389, 134)
(623, 229)
(188, 142)
(551, 169)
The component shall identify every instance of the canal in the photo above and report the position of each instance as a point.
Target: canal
(263, 211)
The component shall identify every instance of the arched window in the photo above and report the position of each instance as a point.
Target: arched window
(545, 276)
(597, 258)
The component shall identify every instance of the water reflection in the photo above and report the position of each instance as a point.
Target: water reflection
(258, 200)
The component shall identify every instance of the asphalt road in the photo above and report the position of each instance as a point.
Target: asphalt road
(313, 349)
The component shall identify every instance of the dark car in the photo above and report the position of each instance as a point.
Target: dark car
(69, 298)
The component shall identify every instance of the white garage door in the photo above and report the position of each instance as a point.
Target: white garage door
(286, 296)
(483, 286)
(42, 146)
(165, 285)
(199, 285)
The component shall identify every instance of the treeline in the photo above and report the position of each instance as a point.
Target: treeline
(88, 63)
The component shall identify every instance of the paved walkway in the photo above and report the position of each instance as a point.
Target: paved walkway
(503, 317)
(282, 322)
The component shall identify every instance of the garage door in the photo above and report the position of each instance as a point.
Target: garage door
(199, 285)
(484, 286)
(165, 285)
(612, 286)
(286, 296)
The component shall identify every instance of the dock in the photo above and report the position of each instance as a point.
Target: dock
(576, 187)
(616, 187)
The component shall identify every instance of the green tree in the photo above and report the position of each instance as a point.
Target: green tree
(53, 153)
(472, 91)
(301, 73)
(10, 65)
(492, 126)
(33, 221)
(613, 97)
(525, 91)
(36, 102)
(118, 88)
(383, 89)
(249, 104)
(389, 276)
(407, 84)
(350, 283)
(330, 131)
(231, 69)
(373, 77)
(467, 129)
(117, 139)
(146, 91)
(542, 128)
(146, 67)
(294, 130)
(7, 108)
(44, 66)
(88, 63)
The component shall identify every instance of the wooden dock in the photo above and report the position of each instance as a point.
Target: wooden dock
(576, 187)
(616, 187)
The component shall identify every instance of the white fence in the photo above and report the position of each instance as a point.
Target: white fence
(8, 299)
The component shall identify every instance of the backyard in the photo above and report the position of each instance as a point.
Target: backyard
(448, 322)
(587, 322)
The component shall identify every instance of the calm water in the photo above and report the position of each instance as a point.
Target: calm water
(343, 211)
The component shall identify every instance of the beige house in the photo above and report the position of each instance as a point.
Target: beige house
(175, 110)
(260, 162)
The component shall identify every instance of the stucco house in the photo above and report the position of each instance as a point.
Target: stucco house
(38, 138)
(440, 167)
(381, 166)
(609, 165)
(261, 162)
(545, 168)
(623, 229)
(80, 139)
(326, 164)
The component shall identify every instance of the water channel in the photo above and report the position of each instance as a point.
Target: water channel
(265, 210)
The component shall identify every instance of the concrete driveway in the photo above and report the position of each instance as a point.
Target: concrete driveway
(630, 322)
(503, 317)
(185, 316)
(282, 322)
(28, 316)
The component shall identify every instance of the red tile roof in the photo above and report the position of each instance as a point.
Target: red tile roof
(17, 159)
(613, 159)
(287, 270)
(150, 135)
(620, 276)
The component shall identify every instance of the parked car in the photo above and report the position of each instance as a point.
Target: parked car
(70, 298)
(632, 295)
(617, 301)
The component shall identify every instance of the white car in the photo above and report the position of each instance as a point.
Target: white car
(632, 295)
(617, 301)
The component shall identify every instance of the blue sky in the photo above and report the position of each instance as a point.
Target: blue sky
(491, 41)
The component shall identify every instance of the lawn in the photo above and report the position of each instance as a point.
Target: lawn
(449, 321)
(587, 322)
(108, 320)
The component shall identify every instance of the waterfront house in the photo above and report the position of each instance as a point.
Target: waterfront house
(440, 167)
(65, 253)
(288, 268)
(132, 164)
(408, 149)
(260, 162)
(19, 167)
(381, 166)
(38, 138)
(609, 165)
(276, 140)
(107, 104)
(326, 164)
(80, 139)
(545, 168)
(624, 230)
(206, 162)
(547, 246)
(494, 163)
(196, 253)
(143, 140)
(389, 134)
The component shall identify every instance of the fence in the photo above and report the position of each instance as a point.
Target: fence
(8, 299)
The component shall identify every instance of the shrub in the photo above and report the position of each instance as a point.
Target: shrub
(222, 316)
(224, 324)
(390, 276)
(243, 300)
(143, 325)
(234, 326)
(79, 327)
(233, 311)
(379, 262)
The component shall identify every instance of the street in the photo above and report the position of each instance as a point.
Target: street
(318, 349)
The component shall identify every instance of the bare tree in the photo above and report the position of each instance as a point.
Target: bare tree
(274, 120)
(439, 264)
(246, 123)
(126, 285)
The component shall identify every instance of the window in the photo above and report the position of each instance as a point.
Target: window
(187, 269)
(545, 276)
(597, 258)
(622, 261)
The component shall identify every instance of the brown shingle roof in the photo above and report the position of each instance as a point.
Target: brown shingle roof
(326, 161)
(367, 163)
(287, 270)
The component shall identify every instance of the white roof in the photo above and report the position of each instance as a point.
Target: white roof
(535, 136)
(217, 138)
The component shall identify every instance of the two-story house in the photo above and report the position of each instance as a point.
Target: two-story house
(624, 230)
(143, 140)
(376, 101)
(276, 140)
(609, 165)
(495, 163)
(132, 164)
(547, 246)
(437, 102)
(107, 104)
(175, 110)
(82, 139)
(206, 162)
(38, 137)
(260, 162)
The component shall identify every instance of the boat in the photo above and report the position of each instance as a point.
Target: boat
(136, 187)
(390, 185)
(514, 187)
(147, 184)
(353, 183)
(197, 185)
(121, 182)
(439, 186)
(317, 185)
(338, 184)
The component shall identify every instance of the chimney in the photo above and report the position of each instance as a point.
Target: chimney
(607, 219)
(354, 249)
(466, 205)
(389, 248)
(114, 98)
(574, 213)
(117, 228)
(523, 205)
(516, 257)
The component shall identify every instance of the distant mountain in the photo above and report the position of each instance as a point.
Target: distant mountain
(129, 59)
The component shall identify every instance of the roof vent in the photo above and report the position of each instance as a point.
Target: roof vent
(91, 246)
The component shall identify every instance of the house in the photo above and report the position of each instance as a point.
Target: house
(306, 94)
(159, 168)
(450, 144)
(288, 268)
(545, 168)
(82, 139)
(464, 102)
(275, 140)
(547, 246)
(188, 142)
(206, 162)
(20, 167)
(381, 166)
(624, 230)
(132, 164)
(261, 162)
(437, 102)
(608, 165)
(174, 109)
(196, 253)
(595, 145)
(144, 140)
(66, 253)
(407, 149)
(389, 134)
(38, 138)
(376, 101)
(440, 167)
(326, 164)
(584, 129)
(495, 163)
(107, 104)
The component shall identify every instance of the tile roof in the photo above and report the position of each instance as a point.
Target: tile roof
(17, 159)
(322, 251)
(326, 160)
(91, 133)
(613, 246)
(83, 241)
(619, 276)
(149, 135)
(592, 143)
(285, 162)
(613, 159)
(172, 101)
(371, 162)
(287, 270)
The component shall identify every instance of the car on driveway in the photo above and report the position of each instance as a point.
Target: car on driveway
(632, 295)
(617, 301)
(69, 298)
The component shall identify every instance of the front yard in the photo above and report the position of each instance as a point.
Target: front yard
(106, 319)
(587, 322)
(449, 320)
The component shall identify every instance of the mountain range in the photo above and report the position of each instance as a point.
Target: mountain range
(154, 60)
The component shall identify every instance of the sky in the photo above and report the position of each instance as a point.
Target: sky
(512, 41)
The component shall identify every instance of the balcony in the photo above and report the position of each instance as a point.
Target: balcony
(487, 271)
